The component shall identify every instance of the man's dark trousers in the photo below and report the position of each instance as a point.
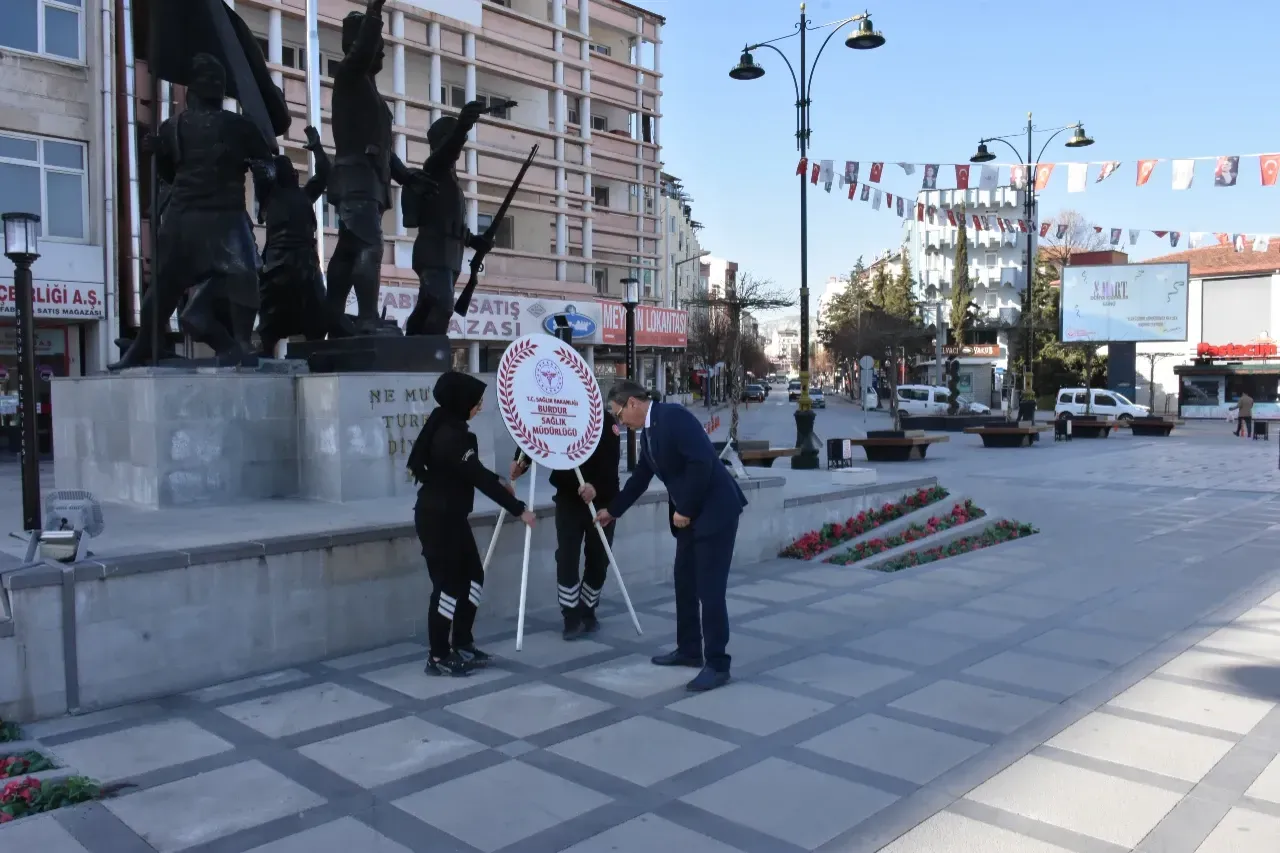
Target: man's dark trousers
(579, 595)
(1244, 424)
(701, 579)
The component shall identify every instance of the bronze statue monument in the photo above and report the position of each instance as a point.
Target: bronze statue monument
(291, 284)
(205, 241)
(363, 167)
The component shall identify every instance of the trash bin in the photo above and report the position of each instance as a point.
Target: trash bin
(1027, 411)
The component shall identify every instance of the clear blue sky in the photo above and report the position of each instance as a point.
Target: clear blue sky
(1149, 80)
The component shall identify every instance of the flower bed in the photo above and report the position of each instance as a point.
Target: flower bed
(28, 796)
(23, 763)
(959, 514)
(836, 533)
(1001, 531)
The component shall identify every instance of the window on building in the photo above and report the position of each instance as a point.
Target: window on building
(601, 278)
(600, 123)
(680, 241)
(51, 27)
(505, 238)
(329, 65)
(505, 3)
(291, 56)
(46, 176)
(673, 225)
(602, 49)
(993, 260)
(600, 196)
(456, 96)
(575, 105)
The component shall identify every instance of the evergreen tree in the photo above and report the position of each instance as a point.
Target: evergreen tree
(881, 284)
(900, 299)
(961, 288)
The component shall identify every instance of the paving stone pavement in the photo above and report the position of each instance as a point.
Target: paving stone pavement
(1109, 685)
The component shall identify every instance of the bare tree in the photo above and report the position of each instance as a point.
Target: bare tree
(1077, 236)
(891, 339)
(1154, 358)
(743, 294)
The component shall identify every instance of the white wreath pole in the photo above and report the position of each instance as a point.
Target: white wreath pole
(528, 545)
(613, 564)
(493, 540)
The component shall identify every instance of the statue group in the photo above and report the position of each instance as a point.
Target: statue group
(206, 261)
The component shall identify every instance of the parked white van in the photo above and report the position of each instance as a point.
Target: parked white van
(1071, 404)
(934, 400)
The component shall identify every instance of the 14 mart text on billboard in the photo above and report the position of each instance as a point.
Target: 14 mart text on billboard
(1129, 302)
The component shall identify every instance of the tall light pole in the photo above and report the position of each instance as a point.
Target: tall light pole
(864, 37)
(21, 245)
(630, 299)
(1079, 139)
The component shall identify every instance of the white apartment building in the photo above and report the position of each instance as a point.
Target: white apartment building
(681, 278)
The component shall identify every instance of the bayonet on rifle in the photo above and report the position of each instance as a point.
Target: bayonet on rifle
(477, 259)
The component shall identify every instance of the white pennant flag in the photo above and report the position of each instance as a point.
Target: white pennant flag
(875, 199)
(989, 178)
(1077, 176)
(908, 168)
(1183, 172)
(1134, 233)
(1197, 239)
(1261, 242)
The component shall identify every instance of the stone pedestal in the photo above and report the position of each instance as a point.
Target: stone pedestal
(376, 354)
(356, 431)
(159, 437)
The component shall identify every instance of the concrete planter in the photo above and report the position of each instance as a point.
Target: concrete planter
(946, 537)
(919, 516)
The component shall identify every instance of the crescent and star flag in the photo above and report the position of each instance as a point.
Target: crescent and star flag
(180, 29)
(962, 177)
(1270, 165)
(1044, 228)
(877, 169)
(1224, 175)
(1108, 169)
(803, 166)
(1043, 171)
(853, 185)
(951, 217)
(813, 173)
(1160, 234)
(1145, 167)
(919, 212)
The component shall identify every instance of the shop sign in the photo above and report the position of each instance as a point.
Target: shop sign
(48, 341)
(655, 327)
(77, 301)
(973, 350)
(1261, 349)
(492, 316)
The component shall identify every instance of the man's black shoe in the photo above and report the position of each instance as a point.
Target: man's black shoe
(676, 658)
(572, 628)
(451, 664)
(473, 656)
(590, 624)
(708, 679)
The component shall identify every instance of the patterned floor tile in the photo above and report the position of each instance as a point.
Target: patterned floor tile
(138, 750)
(346, 835)
(642, 750)
(1157, 749)
(528, 709)
(390, 751)
(977, 707)
(952, 833)
(409, 679)
(634, 675)
(894, 748)
(841, 675)
(288, 713)
(650, 834)
(1197, 705)
(751, 708)
(1243, 831)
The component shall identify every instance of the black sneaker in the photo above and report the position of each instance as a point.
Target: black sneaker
(590, 624)
(452, 664)
(473, 656)
(573, 628)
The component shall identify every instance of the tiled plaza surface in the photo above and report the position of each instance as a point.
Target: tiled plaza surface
(1109, 685)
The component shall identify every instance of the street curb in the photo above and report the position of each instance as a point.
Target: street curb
(896, 526)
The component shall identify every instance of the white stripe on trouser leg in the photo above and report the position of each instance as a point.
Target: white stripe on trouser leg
(569, 594)
(590, 597)
(447, 605)
(477, 593)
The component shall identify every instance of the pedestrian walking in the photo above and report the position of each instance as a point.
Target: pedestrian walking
(576, 537)
(445, 463)
(1244, 416)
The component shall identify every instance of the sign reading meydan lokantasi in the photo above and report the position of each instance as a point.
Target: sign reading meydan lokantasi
(550, 401)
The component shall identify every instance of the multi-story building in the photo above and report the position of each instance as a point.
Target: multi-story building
(681, 249)
(586, 81)
(56, 108)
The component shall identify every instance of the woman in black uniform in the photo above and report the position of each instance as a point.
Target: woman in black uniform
(445, 462)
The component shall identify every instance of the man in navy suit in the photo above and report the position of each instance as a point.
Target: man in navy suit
(704, 504)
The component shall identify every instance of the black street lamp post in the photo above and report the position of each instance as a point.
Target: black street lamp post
(631, 298)
(864, 37)
(1079, 139)
(21, 245)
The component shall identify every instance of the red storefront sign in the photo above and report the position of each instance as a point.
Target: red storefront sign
(1258, 350)
(655, 327)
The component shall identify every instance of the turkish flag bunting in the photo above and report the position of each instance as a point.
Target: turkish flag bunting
(919, 213)
(1270, 165)
(888, 199)
(1108, 169)
(962, 177)
(803, 167)
(1224, 239)
(1001, 221)
(853, 186)
(813, 173)
(1022, 225)
(1043, 172)
(951, 218)
(977, 223)
(877, 169)
(1044, 228)
(1145, 167)
(1160, 233)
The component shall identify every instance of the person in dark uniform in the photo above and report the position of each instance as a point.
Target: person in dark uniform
(443, 235)
(445, 462)
(205, 242)
(364, 165)
(290, 284)
(579, 595)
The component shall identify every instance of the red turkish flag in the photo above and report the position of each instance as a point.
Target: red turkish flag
(1223, 238)
(804, 165)
(962, 177)
(877, 169)
(1001, 221)
(888, 199)
(977, 223)
(1043, 172)
(852, 186)
(813, 173)
(1270, 164)
(1044, 228)
(1022, 225)
(1160, 234)
(951, 218)
(919, 213)
(1145, 167)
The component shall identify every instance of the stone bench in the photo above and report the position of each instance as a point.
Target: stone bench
(1150, 426)
(1090, 427)
(1008, 436)
(765, 457)
(899, 448)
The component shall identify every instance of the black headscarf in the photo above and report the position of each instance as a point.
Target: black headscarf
(456, 395)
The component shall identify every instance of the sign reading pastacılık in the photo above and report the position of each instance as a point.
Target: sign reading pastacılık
(550, 401)
(1125, 302)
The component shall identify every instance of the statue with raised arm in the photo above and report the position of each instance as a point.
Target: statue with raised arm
(363, 167)
(290, 284)
(205, 241)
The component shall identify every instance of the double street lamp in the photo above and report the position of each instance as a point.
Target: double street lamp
(1079, 139)
(21, 245)
(864, 37)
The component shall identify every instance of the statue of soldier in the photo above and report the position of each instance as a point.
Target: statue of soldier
(363, 167)
(290, 284)
(205, 242)
(441, 219)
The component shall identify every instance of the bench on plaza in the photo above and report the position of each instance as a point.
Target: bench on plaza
(1083, 427)
(764, 457)
(1009, 435)
(1150, 426)
(896, 446)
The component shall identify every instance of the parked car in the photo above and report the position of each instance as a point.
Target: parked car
(793, 390)
(754, 394)
(973, 407)
(935, 400)
(1072, 404)
(817, 399)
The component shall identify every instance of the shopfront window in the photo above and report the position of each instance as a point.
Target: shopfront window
(1261, 387)
(46, 176)
(50, 27)
(1199, 392)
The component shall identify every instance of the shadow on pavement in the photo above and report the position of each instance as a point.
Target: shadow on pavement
(1260, 681)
